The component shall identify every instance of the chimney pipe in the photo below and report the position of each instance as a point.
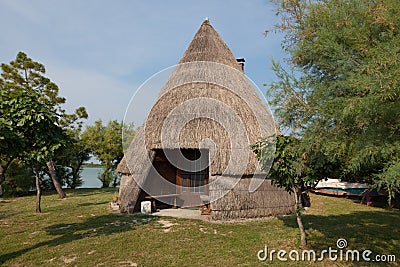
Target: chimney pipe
(241, 61)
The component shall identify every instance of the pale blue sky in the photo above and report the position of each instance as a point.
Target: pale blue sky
(99, 52)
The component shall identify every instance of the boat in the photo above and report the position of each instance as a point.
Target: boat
(336, 187)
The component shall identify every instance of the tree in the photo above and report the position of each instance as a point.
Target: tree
(71, 158)
(105, 142)
(25, 76)
(36, 125)
(343, 95)
(11, 141)
(290, 170)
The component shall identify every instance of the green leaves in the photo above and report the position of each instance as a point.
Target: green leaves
(389, 179)
(30, 112)
(105, 142)
(287, 168)
(342, 96)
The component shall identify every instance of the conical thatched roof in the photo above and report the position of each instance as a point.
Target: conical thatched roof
(207, 97)
(207, 45)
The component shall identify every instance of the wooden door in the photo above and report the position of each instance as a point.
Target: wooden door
(192, 184)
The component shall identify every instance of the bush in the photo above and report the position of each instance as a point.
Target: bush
(20, 180)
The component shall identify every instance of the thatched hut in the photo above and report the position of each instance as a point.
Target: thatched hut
(194, 147)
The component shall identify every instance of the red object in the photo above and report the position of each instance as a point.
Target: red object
(366, 199)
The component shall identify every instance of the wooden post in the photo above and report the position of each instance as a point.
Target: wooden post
(38, 191)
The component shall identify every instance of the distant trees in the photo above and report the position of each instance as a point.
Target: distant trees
(339, 91)
(19, 179)
(33, 126)
(105, 142)
(71, 158)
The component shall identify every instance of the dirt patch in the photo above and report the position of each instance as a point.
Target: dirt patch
(67, 260)
(166, 225)
(128, 263)
(203, 230)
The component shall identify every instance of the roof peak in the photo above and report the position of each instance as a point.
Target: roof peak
(207, 45)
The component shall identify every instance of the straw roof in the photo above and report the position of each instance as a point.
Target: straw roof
(207, 45)
(207, 97)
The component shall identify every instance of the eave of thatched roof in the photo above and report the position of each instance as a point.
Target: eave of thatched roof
(122, 167)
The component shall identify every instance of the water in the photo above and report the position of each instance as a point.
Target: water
(89, 177)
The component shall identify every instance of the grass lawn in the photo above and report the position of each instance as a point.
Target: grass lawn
(81, 231)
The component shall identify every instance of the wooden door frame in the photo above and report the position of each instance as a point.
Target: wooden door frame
(179, 182)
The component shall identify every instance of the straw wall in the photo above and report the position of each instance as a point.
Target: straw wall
(134, 167)
(267, 200)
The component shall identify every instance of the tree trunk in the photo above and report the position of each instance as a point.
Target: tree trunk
(105, 183)
(298, 217)
(53, 175)
(104, 178)
(75, 178)
(3, 168)
(76, 174)
(115, 181)
(38, 191)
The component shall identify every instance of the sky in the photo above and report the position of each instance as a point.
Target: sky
(99, 52)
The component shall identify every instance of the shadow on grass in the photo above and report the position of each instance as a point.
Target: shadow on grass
(89, 191)
(377, 231)
(8, 214)
(92, 204)
(95, 226)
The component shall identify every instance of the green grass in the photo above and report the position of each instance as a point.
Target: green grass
(81, 231)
